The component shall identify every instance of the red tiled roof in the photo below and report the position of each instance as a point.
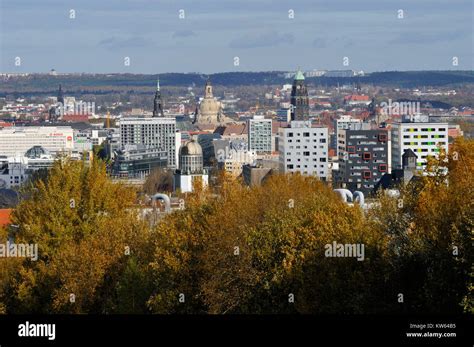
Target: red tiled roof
(231, 129)
(5, 214)
(356, 97)
(76, 118)
(277, 125)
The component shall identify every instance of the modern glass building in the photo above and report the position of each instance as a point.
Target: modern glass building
(138, 161)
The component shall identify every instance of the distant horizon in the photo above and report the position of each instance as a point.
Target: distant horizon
(59, 73)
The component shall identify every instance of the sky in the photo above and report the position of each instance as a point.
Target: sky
(209, 36)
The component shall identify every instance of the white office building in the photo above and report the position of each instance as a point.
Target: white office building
(424, 138)
(159, 132)
(14, 171)
(15, 141)
(304, 148)
(260, 135)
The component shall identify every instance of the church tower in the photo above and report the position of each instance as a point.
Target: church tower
(299, 98)
(157, 104)
(208, 91)
(60, 97)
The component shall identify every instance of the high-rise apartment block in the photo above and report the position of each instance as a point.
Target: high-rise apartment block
(304, 148)
(260, 135)
(363, 158)
(424, 138)
(156, 132)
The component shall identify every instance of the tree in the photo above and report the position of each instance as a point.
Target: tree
(83, 225)
(159, 180)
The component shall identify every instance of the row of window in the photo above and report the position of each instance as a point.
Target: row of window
(411, 130)
(314, 140)
(436, 136)
(322, 160)
(305, 147)
(305, 134)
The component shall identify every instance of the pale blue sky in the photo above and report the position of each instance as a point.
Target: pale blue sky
(213, 32)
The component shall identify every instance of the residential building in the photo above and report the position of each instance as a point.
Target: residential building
(260, 135)
(424, 138)
(363, 158)
(158, 132)
(304, 148)
(344, 122)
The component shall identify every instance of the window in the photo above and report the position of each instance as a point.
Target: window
(382, 137)
(351, 149)
(367, 175)
(383, 167)
(367, 156)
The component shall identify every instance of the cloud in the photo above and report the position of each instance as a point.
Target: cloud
(268, 39)
(428, 38)
(184, 33)
(320, 42)
(118, 43)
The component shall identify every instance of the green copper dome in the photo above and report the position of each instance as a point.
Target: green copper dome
(299, 76)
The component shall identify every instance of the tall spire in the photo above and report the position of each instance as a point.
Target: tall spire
(157, 103)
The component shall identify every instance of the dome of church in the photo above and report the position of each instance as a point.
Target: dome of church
(190, 148)
(209, 106)
(190, 158)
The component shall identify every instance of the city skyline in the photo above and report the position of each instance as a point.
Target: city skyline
(208, 37)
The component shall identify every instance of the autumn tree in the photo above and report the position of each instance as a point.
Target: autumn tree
(246, 250)
(160, 180)
(85, 227)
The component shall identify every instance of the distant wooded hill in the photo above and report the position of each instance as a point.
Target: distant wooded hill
(44, 83)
